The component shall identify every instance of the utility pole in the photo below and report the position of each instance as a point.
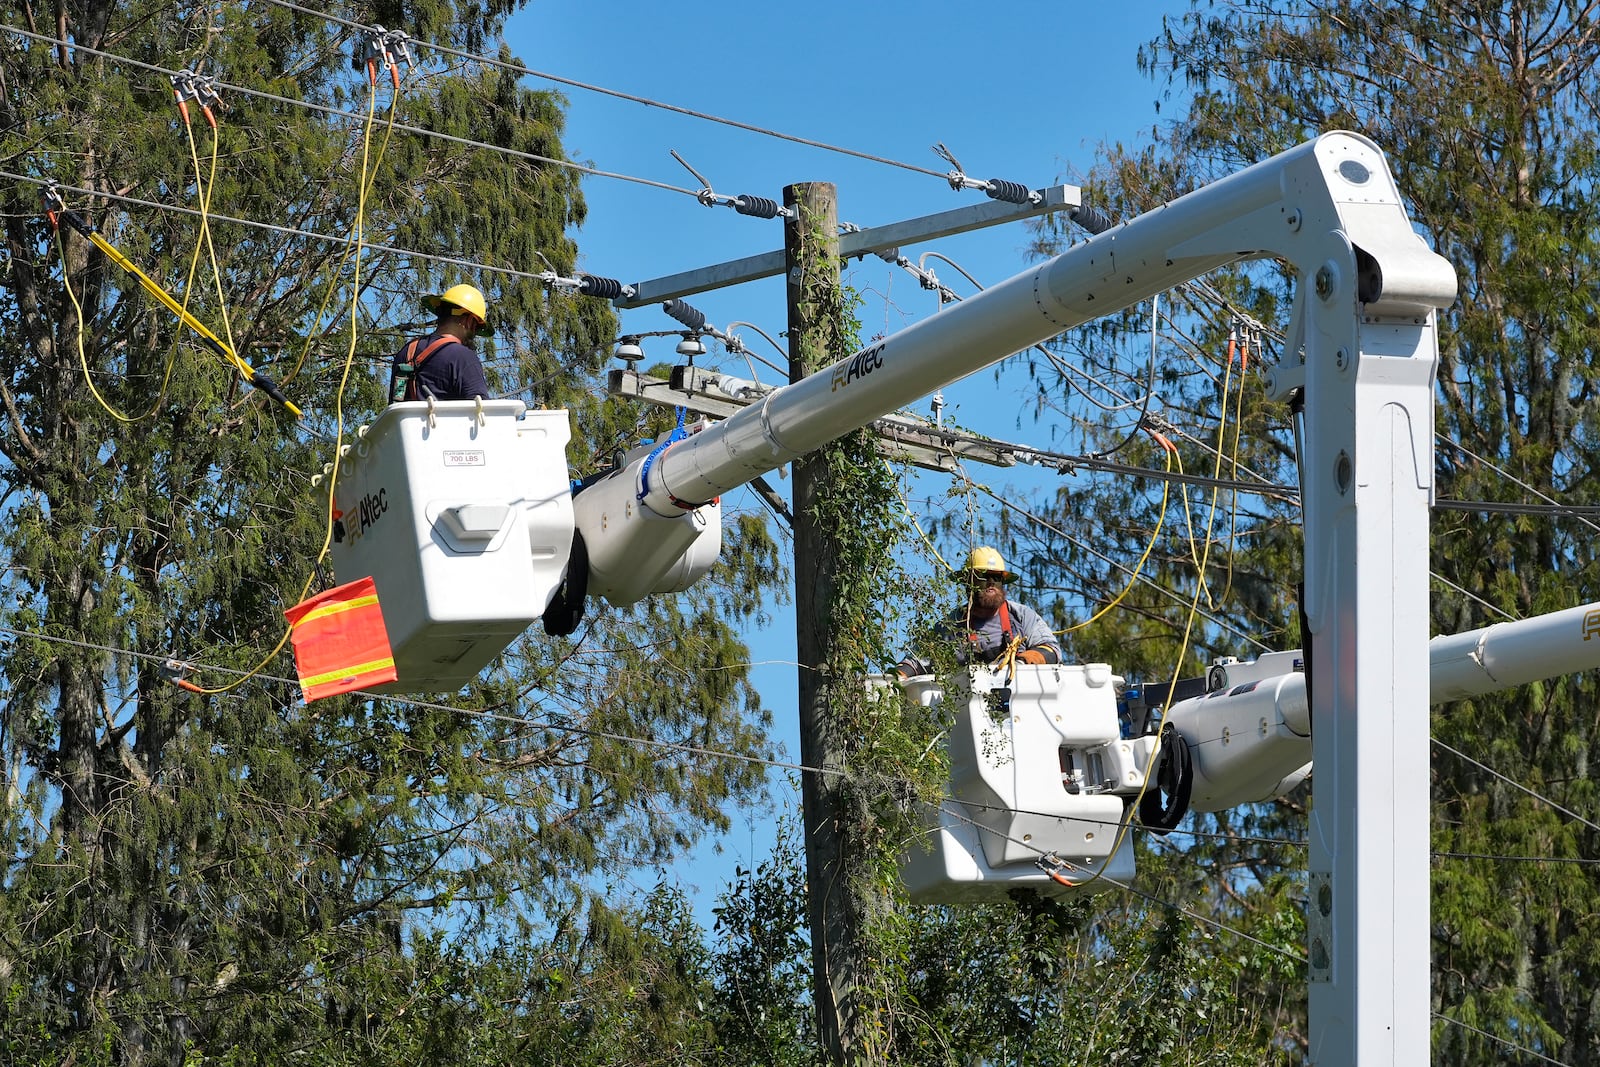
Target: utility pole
(811, 254)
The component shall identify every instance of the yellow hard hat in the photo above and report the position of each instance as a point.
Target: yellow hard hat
(465, 297)
(986, 560)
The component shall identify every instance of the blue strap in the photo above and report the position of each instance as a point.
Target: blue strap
(678, 433)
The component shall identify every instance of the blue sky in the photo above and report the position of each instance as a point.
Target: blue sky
(1025, 94)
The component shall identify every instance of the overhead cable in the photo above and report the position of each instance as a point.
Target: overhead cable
(542, 276)
(1502, 1040)
(170, 668)
(519, 68)
(1568, 812)
(336, 112)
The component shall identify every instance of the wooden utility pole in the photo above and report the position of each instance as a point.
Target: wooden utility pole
(811, 253)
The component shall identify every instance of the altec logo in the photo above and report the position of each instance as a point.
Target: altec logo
(370, 508)
(860, 365)
(367, 510)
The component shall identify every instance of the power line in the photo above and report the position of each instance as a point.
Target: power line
(1516, 784)
(324, 109)
(1502, 472)
(561, 727)
(1551, 508)
(1582, 860)
(698, 750)
(273, 227)
(1495, 1037)
(519, 68)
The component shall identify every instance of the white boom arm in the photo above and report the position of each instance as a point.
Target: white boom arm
(1258, 212)
(1249, 739)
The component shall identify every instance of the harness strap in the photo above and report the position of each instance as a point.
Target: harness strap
(415, 361)
(1005, 632)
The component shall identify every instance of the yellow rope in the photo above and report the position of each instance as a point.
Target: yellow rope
(1238, 431)
(1166, 486)
(327, 537)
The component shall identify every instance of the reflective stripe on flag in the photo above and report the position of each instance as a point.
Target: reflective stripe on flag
(340, 642)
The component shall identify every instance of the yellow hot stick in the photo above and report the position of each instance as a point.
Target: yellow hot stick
(212, 341)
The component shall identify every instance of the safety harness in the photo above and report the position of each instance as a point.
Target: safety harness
(1005, 633)
(405, 369)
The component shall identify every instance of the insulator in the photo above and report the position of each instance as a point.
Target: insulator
(1010, 192)
(1092, 219)
(759, 206)
(605, 288)
(629, 350)
(687, 314)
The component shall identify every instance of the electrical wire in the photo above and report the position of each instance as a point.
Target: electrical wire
(337, 113)
(83, 354)
(1555, 508)
(518, 68)
(704, 751)
(707, 752)
(289, 231)
(1150, 385)
(1582, 860)
(1221, 624)
(1495, 1037)
(670, 746)
(1208, 291)
(354, 247)
(1171, 451)
(1447, 583)
(1568, 812)
(363, 184)
(1177, 673)
(1580, 513)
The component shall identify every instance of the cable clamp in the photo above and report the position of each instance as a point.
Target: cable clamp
(399, 44)
(957, 177)
(175, 671)
(205, 87)
(382, 46)
(189, 84)
(53, 204)
(760, 207)
(375, 40)
(587, 285)
(1057, 868)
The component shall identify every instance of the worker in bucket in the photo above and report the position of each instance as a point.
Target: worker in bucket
(990, 622)
(443, 365)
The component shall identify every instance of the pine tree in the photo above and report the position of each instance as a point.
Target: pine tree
(225, 873)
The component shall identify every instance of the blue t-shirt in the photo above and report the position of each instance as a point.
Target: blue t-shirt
(451, 372)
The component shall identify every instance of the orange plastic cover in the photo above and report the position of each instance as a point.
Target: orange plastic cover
(340, 642)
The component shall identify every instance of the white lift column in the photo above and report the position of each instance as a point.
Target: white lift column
(1371, 351)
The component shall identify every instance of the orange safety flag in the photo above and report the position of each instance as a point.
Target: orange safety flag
(340, 642)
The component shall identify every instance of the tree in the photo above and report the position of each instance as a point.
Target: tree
(218, 873)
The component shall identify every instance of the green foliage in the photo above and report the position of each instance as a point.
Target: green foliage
(236, 878)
